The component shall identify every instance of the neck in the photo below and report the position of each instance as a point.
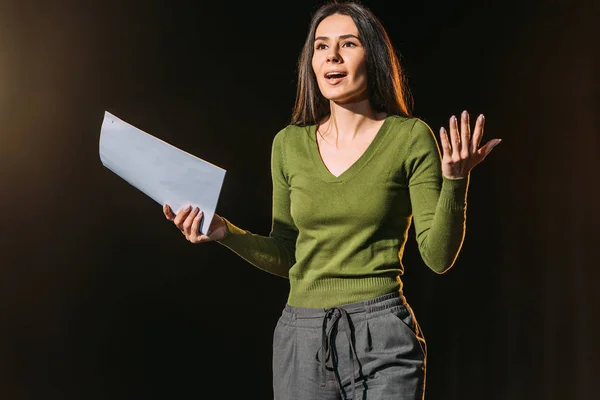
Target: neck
(347, 121)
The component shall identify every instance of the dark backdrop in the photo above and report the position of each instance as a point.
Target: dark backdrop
(102, 298)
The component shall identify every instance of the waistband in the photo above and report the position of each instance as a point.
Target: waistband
(327, 319)
(359, 310)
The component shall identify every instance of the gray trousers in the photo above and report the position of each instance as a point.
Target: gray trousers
(370, 350)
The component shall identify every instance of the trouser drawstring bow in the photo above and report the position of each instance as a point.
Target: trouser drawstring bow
(335, 314)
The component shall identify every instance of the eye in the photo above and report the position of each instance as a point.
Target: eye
(320, 46)
(349, 44)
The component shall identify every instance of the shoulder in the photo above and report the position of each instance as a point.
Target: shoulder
(420, 131)
(420, 127)
(293, 130)
(413, 129)
(411, 125)
(291, 133)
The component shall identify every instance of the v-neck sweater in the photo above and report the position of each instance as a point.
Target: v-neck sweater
(340, 239)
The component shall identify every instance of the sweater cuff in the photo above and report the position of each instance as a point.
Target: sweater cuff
(232, 232)
(453, 196)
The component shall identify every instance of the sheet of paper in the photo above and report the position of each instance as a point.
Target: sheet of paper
(160, 170)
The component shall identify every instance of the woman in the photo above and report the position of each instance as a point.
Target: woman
(350, 173)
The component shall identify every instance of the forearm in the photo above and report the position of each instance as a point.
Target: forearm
(440, 242)
(268, 253)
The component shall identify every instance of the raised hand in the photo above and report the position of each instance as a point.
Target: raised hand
(461, 152)
(187, 220)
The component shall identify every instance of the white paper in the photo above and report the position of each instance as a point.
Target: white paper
(165, 173)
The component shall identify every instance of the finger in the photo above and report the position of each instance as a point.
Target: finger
(446, 150)
(488, 147)
(465, 133)
(454, 138)
(169, 214)
(195, 229)
(477, 133)
(181, 216)
(187, 224)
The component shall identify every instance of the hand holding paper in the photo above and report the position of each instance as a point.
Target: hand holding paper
(188, 221)
(165, 173)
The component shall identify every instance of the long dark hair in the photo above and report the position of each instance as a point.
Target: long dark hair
(387, 83)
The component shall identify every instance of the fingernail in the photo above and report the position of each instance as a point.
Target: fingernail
(465, 114)
(188, 208)
(481, 117)
(454, 119)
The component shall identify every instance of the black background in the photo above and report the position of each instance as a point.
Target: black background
(102, 298)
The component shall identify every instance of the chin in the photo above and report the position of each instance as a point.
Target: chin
(345, 98)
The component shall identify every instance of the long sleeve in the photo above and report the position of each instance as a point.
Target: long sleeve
(438, 204)
(274, 253)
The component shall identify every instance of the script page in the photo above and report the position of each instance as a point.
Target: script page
(162, 171)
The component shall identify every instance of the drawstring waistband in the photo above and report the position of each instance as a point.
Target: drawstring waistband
(327, 320)
(334, 314)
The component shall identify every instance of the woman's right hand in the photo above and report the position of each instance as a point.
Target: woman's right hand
(188, 219)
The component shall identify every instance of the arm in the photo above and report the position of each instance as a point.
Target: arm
(438, 203)
(273, 253)
(440, 219)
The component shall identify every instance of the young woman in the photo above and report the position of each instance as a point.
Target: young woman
(350, 173)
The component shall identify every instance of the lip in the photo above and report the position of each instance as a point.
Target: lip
(334, 81)
(339, 71)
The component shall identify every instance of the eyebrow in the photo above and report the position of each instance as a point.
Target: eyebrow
(349, 35)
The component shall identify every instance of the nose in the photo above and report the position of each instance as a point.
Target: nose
(333, 55)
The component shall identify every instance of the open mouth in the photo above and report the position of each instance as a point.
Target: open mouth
(335, 76)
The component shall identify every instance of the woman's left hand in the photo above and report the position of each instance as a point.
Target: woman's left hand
(461, 152)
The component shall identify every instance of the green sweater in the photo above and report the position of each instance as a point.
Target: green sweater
(340, 239)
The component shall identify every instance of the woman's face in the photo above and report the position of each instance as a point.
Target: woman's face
(339, 60)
